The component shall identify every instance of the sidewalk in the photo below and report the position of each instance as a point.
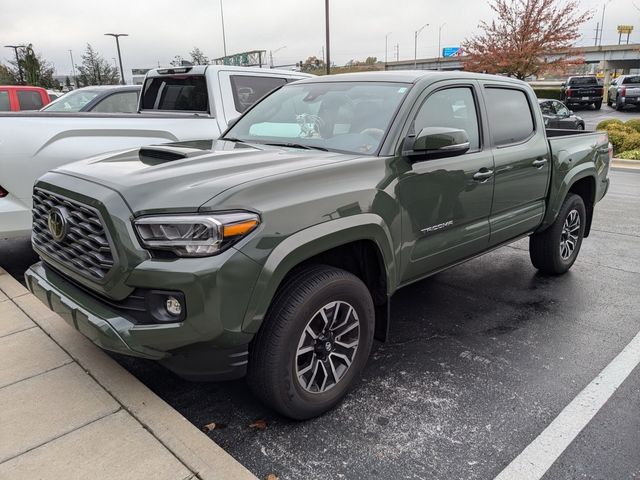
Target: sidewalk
(622, 163)
(69, 411)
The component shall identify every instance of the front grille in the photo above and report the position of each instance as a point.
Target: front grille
(85, 248)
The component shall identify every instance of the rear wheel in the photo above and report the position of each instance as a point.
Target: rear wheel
(619, 105)
(598, 105)
(554, 250)
(314, 342)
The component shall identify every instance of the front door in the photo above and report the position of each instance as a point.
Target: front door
(522, 163)
(565, 118)
(445, 202)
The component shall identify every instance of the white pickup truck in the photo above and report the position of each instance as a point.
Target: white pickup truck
(181, 103)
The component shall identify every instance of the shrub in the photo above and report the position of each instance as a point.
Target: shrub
(631, 142)
(617, 139)
(633, 123)
(606, 123)
(553, 93)
(630, 155)
(620, 127)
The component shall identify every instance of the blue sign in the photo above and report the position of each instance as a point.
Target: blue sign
(451, 52)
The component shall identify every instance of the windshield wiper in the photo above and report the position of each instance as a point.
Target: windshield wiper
(232, 139)
(298, 145)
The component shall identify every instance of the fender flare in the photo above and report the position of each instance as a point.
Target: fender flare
(312, 241)
(555, 201)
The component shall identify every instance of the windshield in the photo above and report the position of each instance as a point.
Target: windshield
(341, 116)
(72, 101)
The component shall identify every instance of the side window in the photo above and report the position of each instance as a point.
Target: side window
(547, 109)
(561, 109)
(248, 89)
(124, 102)
(510, 117)
(29, 100)
(454, 108)
(4, 101)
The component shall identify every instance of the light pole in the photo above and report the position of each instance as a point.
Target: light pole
(415, 44)
(386, 38)
(15, 49)
(117, 37)
(271, 52)
(604, 8)
(439, 37)
(224, 38)
(73, 70)
(326, 27)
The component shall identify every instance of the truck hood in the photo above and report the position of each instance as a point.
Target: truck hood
(180, 177)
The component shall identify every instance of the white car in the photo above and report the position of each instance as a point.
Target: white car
(177, 103)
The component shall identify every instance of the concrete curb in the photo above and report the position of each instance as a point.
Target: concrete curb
(622, 163)
(191, 446)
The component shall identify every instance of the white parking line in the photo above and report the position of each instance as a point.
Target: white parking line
(540, 454)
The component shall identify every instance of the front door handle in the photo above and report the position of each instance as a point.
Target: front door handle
(483, 175)
(539, 163)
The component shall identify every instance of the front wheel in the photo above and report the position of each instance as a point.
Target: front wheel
(554, 250)
(314, 342)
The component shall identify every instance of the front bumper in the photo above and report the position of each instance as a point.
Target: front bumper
(202, 347)
(15, 218)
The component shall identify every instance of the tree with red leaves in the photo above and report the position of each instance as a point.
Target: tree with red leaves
(522, 41)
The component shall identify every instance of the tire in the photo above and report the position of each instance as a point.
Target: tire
(276, 371)
(619, 105)
(580, 126)
(598, 105)
(546, 248)
(609, 102)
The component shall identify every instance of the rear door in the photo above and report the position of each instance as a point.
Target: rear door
(521, 156)
(5, 100)
(445, 203)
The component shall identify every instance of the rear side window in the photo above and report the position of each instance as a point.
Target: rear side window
(4, 101)
(124, 102)
(185, 93)
(248, 89)
(29, 100)
(628, 80)
(510, 117)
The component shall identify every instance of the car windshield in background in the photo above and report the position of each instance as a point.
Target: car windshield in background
(180, 92)
(628, 80)
(583, 81)
(341, 116)
(72, 101)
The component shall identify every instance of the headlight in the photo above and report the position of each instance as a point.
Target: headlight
(194, 235)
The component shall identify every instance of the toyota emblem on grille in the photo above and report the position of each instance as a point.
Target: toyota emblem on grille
(57, 223)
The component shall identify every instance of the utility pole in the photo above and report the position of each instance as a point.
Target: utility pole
(397, 49)
(224, 38)
(15, 49)
(326, 26)
(415, 44)
(386, 37)
(604, 9)
(73, 70)
(597, 32)
(117, 37)
(439, 37)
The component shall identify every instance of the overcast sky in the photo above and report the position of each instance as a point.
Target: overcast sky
(161, 29)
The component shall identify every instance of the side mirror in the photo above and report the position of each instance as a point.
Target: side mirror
(570, 113)
(437, 142)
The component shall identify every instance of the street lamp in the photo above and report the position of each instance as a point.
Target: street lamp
(117, 37)
(326, 28)
(604, 8)
(386, 37)
(15, 49)
(415, 44)
(439, 37)
(224, 38)
(73, 70)
(271, 52)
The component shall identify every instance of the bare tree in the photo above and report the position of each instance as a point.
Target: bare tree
(529, 37)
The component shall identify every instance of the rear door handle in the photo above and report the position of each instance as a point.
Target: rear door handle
(539, 163)
(483, 176)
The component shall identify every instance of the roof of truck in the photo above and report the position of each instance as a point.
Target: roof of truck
(200, 70)
(407, 76)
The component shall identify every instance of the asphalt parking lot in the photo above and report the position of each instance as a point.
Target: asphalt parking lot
(482, 358)
(592, 116)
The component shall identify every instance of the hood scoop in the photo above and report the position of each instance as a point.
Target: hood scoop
(159, 155)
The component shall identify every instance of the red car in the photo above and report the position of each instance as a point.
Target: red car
(14, 98)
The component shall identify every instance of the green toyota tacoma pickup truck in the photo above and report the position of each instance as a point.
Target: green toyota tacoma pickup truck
(274, 251)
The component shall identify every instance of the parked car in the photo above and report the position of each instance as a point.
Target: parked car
(275, 250)
(557, 115)
(623, 91)
(16, 98)
(582, 91)
(104, 99)
(54, 94)
(183, 103)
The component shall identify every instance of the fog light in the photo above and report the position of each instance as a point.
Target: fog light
(173, 306)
